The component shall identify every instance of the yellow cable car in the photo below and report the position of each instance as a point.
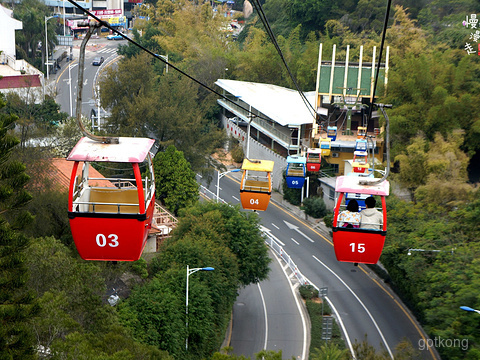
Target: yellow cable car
(361, 132)
(256, 185)
(325, 146)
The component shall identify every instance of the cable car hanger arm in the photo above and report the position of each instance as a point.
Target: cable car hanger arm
(387, 147)
(81, 61)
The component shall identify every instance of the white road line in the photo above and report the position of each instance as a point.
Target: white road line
(296, 242)
(235, 198)
(267, 230)
(342, 325)
(361, 303)
(304, 323)
(266, 318)
(294, 227)
(275, 226)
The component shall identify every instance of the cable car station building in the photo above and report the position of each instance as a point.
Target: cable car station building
(282, 124)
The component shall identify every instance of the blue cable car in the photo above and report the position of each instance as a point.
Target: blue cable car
(295, 173)
(332, 132)
(361, 145)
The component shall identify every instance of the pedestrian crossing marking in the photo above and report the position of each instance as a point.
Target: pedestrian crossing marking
(107, 51)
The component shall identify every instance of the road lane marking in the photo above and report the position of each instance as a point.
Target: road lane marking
(342, 325)
(420, 330)
(361, 303)
(297, 229)
(275, 226)
(266, 318)
(304, 323)
(235, 198)
(403, 310)
(296, 242)
(267, 230)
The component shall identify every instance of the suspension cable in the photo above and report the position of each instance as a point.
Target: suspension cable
(107, 25)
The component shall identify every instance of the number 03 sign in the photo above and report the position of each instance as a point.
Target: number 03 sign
(110, 240)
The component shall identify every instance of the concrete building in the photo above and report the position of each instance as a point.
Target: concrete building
(283, 124)
(17, 75)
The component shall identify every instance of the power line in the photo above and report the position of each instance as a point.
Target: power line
(156, 56)
(385, 23)
(265, 22)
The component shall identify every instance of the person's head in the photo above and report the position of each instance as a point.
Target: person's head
(370, 202)
(352, 206)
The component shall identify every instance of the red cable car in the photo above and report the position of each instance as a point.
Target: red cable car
(314, 159)
(363, 244)
(110, 217)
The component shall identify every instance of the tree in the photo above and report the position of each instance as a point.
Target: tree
(238, 231)
(413, 170)
(16, 303)
(32, 14)
(329, 352)
(175, 182)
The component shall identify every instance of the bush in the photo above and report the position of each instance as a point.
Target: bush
(293, 196)
(308, 292)
(315, 207)
(328, 219)
(236, 151)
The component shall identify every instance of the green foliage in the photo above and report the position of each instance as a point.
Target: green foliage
(50, 218)
(316, 311)
(232, 228)
(175, 183)
(315, 206)
(139, 268)
(32, 14)
(435, 284)
(293, 196)
(16, 302)
(329, 351)
(328, 219)
(308, 292)
(236, 150)
(207, 234)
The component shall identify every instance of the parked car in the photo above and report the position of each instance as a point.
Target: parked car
(114, 37)
(238, 121)
(97, 61)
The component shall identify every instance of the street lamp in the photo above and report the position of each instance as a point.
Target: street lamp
(410, 251)
(220, 175)
(46, 41)
(190, 272)
(466, 308)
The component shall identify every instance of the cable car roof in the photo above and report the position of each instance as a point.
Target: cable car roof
(296, 159)
(258, 165)
(314, 151)
(350, 184)
(128, 150)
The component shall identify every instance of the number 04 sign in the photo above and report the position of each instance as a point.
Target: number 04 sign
(110, 240)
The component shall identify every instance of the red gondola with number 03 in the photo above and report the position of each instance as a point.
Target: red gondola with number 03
(110, 217)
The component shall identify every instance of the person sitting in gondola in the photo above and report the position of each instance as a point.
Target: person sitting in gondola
(371, 218)
(350, 216)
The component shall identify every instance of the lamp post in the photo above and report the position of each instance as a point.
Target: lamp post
(410, 251)
(190, 272)
(467, 308)
(46, 41)
(423, 250)
(220, 175)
